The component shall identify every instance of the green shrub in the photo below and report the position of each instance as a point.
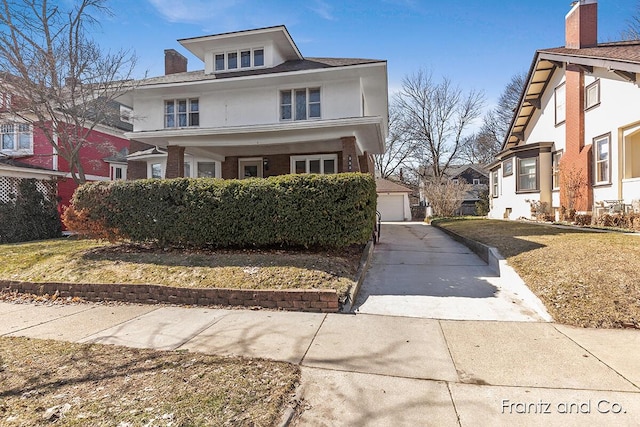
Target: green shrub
(288, 210)
(29, 215)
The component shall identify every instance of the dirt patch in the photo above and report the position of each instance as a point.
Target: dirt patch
(44, 382)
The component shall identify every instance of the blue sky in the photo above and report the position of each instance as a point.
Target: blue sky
(478, 44)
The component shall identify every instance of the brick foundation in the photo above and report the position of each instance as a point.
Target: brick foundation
(322, 301)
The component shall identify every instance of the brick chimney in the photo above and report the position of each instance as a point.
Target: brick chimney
(581, 32)
(582, 24)
(174, 62)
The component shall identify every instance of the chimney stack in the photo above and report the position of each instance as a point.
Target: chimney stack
(174, 62)
(582, 24)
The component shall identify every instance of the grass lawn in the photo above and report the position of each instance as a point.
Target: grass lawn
(584, 278)
(88, 261)
(102, 385)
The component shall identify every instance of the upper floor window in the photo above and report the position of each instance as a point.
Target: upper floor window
(5, 101)
(238, 59)
(476, 181)
(592, 95)
(560, 99)
(602, 146)
(16, 137)
(181, 113)
(528, 174)
(300, 104)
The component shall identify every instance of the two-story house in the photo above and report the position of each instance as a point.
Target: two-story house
(574, 143)
(25, 152)
(258, 108)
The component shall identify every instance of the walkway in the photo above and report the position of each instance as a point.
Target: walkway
(419, 271)
(370, 370)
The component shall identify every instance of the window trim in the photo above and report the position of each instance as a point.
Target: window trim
(189, 113)
(113, 167)
(309, 157)
(16, 133)
(555, 169)
(562, 87)
(597, 139)
(238, 52)
(476, 181)
(150, 169)
(519, 175)
(495, 184)
(506, 162)
(595, 84)
(292, 105)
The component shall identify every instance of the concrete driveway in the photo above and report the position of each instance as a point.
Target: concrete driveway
(419, 271)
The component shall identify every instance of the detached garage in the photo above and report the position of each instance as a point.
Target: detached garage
(393, 201)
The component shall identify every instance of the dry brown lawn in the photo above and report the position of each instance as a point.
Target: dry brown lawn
(90, 261)
(57, 383)
(584, 277)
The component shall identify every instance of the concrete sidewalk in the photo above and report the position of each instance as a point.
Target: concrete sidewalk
(371, 370)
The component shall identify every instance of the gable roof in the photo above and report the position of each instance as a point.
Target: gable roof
(455, 171)
(621, 58)
(285, 67)
(386, 186)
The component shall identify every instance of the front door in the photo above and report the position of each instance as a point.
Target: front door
(250, 168)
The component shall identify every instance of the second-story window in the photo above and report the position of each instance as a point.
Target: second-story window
(238, 59)
(181, 113)
(300, 104)
(16, 137)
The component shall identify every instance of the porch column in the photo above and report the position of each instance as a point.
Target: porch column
(350, 161)
(175, 162)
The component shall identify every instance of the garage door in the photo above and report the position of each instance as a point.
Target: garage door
(391, 207)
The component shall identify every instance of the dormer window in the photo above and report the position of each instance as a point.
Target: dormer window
(248, 58)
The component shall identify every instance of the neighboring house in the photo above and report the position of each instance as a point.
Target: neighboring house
(476, 175)
(258, 109)
(12, 171)
(103, 155)
(393, 200)
(577, 127)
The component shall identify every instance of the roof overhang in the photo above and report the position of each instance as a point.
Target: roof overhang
(20, 172)
(279, 35)
(368, 131)
(544, 65)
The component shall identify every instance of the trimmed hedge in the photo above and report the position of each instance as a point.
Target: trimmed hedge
(288, 210)
(29, 216)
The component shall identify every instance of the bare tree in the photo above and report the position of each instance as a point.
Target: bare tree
(573, 185)
(487, 142)
(62, 83)
(446, 197)
(439, 114)
(400, 148)
(632, 32)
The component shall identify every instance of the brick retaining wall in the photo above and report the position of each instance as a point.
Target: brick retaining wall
(325, 301)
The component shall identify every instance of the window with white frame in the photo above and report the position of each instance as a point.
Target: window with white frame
(16, 137)
(181, 113)
(494, 184)
(118, 172)
(592, 95)
(239, 59)
(602, 151)
(560, 100)
(300, 104)
(528, 174)
(156, 170)
(476, 181)
(319, 163)
(555, 169)
(5, 100)
(187, 170)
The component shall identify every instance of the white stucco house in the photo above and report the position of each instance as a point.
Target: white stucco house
(258, 108)
(577, 125)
